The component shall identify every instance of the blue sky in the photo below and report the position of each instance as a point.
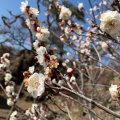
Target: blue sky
(14, 6)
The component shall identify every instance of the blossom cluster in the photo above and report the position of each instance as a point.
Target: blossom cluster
(35, 81)
(82, 41)
(36, 112)
(110, 22)
(9, 84)
(5, 63)
(115, 92)
(40, 31)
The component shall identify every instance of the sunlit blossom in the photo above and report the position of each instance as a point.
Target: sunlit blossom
(42, 33)
(53, 62)
(23, 7)
(110, 22)
(36, 84)
(8, 77)
(114, 92)
(34, 11)
(80, 6)
(42, 56)
(65, 13)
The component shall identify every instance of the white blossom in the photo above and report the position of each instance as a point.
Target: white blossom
(9, 94)
(5, 62)
(5, 55)
(34, 11)
(113, 91)
(74, 37)
(28, 23)
(42, 34)
(28, 113)
(36, 85)
(64, 64)
(110, 22)
(9, 89)
(72, 79)
(10, 102)
(36, 44)
(69, 55)
(8, 77)
(34, 107)
(41, 56)
(31, 69)
(23, 7)
(104, 46)
(80, 6)
(13, 115)
(67, 61)
(65, 13)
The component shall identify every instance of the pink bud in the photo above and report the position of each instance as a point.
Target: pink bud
(70, 71)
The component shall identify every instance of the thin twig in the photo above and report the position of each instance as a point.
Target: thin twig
(13, 106)
(57, 105)
(68, 112)
(90, 101)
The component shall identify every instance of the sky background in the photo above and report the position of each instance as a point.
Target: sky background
(14, 6)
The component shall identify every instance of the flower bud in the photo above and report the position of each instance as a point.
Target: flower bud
(25, 74)
(70, 71)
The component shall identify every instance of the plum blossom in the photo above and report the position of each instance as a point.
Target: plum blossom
(65, 13)
(104, 46)
(67, 30)
(36, 84)
(110, 22)
(80, 6)
(5, 62)
(34, 11)
(69, 55)
(10, 102)
(42, 33)
(53, 62)
(31, 69)
(69, 71)
(72, 79)
(9, 89)
(6, 55)
(13, 115)
(28, 23)
(33, 107)
(28, 113)
(7, 77)
(114, 92)
(36, 44)
(26, 9)
(24, 6)
(42, 56)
